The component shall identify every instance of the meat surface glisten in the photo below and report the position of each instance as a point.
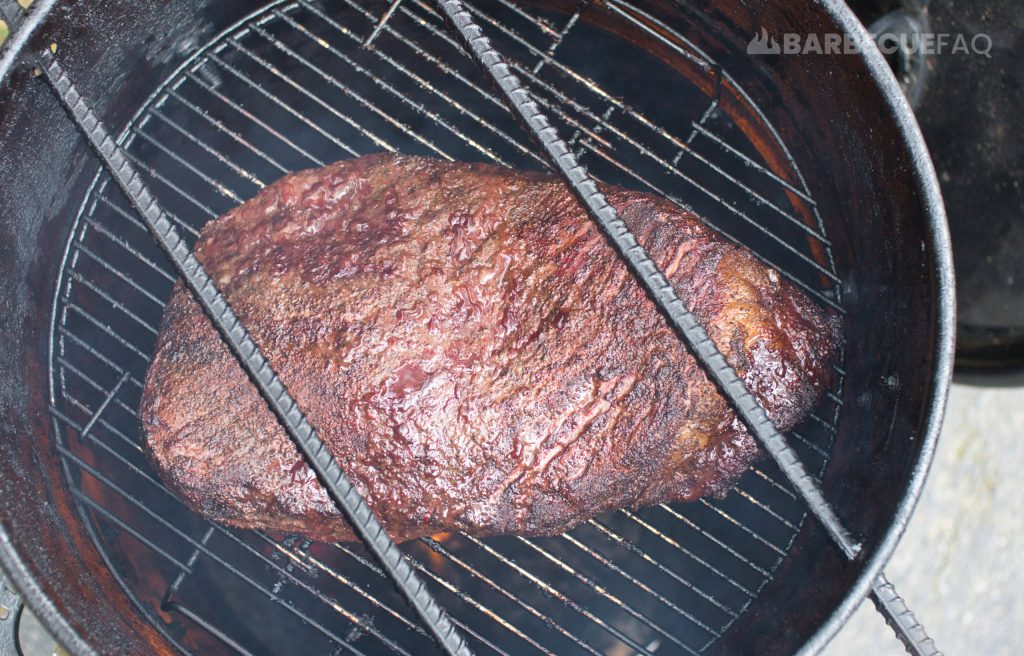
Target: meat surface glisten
(472, 352)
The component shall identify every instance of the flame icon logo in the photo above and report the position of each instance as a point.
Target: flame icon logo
(761, 44)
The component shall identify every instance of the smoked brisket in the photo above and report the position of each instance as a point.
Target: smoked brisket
(471, 351)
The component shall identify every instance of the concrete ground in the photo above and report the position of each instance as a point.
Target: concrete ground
(960, 565)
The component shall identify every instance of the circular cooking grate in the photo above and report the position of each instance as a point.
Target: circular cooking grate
(290, 88)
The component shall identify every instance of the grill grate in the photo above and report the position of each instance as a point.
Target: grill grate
(670, 577)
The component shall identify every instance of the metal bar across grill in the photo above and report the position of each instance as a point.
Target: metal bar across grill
(897, 614)
(291, 87)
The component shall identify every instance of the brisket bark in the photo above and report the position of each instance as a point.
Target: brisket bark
(471, 351)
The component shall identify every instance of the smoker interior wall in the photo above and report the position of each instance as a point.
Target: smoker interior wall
(116, 51)
(871, 194)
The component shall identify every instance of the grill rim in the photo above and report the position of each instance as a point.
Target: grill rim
(942, 357)
(940, 248)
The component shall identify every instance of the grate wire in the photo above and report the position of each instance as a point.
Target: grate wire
(195, 142)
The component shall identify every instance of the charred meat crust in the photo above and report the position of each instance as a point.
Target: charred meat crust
(471, 351)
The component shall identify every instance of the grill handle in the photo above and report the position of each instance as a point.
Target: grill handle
(897, 30)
